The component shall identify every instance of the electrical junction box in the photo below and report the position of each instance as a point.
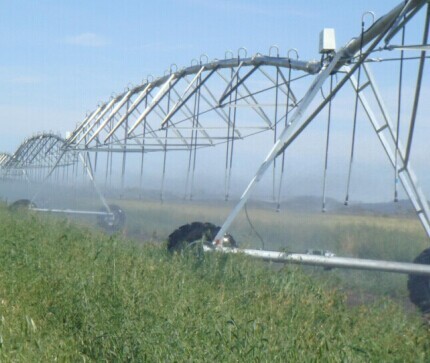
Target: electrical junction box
(327, 40)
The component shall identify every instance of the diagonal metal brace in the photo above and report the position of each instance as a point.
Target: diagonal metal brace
(183, 100)
(229, 90)
(164, 89)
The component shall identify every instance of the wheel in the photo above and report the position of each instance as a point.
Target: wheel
(188, 234)
(419, 285)
(22, 204)
(112, 223)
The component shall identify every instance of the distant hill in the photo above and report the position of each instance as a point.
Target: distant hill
(297, 204)
(314, 204)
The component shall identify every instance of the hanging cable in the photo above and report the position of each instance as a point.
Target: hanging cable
(253, 228)
(124, 153)
(354, 126)
(227, 145)
(193, 134)
(233, 130)
(195, 138)
(326, 146)
(106, 169)
(399, 109)
(165, 153)
(142, 159)
(275, 134)
(95, 160)
(143, 152)
(275, 129)
(287, 123)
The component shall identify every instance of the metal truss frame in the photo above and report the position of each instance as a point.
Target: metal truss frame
(36, 155)
(169, 114)
(386, 26)
(161, 115)
(4, 158)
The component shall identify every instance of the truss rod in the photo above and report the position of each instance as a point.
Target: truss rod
(164, 89)
(290, 92)
(173, 126)
(40, 145)
(135, 104)
(85, 123)
(99, 117)
(257, 110)
(29, 150)
(422, 47)
(277, 84)
(220, 111)
(230, 89)
(417, 88)
(51, 146)
(111, 115)
(23, 151)
(192, 115)
(181, 101)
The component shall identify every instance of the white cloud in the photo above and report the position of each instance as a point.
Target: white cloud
(26, 80)
(246, 7)
(87, 40)
(17, 75)
(164, 47)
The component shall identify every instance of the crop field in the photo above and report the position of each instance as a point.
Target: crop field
(153, 172)
(374, 236)
(71, 293)
(364, 236)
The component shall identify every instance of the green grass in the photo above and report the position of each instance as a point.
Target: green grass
(375, 237)
(360, 236)
(71, 294)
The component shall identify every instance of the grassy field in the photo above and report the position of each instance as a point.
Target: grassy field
(69, 293)
(365, 236)
(377, 237)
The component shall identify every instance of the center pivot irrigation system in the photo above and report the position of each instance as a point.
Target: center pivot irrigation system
(221, 102)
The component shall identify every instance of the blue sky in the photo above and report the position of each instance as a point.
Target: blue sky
(60, 58)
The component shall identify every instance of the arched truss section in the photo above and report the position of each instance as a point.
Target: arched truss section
(4, 158)
(40, 152)
(202, 105)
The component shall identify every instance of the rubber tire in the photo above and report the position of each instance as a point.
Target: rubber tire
(419, 285)
(110, 224)
(193, 232)
(22, 204)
